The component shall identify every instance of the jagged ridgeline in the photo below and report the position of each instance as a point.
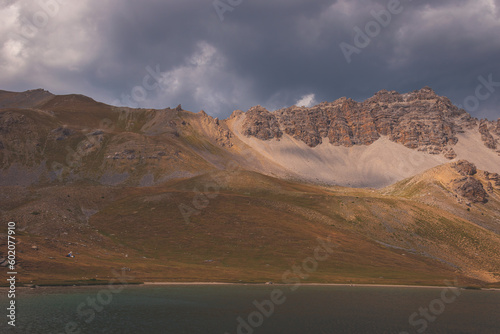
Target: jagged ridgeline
(46, 138)
(418, 120)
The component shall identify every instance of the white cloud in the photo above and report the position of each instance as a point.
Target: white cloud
(203, 80)
(308, 101)
(43, 42)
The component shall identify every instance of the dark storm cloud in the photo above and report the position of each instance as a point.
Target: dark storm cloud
(263, 52)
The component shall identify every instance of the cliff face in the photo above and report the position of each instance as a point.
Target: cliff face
(486, 129)
(419, 120)
(261, 124)
(343, 122)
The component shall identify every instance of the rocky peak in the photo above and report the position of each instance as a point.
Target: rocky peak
(236, 114)
(425, 93)
(262, 124)
(385, 96)
(419, 120)
(258, 109)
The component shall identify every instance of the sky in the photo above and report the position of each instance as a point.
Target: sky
(223, 55)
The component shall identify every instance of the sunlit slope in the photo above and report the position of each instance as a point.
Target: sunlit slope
(70, 138)
(475, 198)
(238, 225)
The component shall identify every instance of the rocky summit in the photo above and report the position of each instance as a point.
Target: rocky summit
(419, 120)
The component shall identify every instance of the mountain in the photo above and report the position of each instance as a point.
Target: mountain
(374, 143)
(26, 99)
(406, 186)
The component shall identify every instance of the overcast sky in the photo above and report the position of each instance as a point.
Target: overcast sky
(233, 54)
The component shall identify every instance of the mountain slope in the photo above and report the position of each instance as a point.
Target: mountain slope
(374, 143)
(458, 188)
(239, 225)
(370, 144)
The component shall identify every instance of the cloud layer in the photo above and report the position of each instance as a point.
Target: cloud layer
(162, 53)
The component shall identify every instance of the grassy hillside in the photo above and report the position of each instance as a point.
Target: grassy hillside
(243, 227)
(436, 187)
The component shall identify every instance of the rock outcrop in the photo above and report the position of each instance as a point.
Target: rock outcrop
(465, 168)
(262, 124)
(493, 177)
(343, 122)
(469, 185)
(486, 136)
(450, 154)
(470, 189)
(419, 120)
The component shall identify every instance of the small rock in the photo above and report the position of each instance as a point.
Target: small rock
(450, 154)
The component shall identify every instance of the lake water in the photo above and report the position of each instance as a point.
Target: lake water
(191, 309)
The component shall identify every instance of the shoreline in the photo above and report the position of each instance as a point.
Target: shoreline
(354, 285)
(363, 285)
